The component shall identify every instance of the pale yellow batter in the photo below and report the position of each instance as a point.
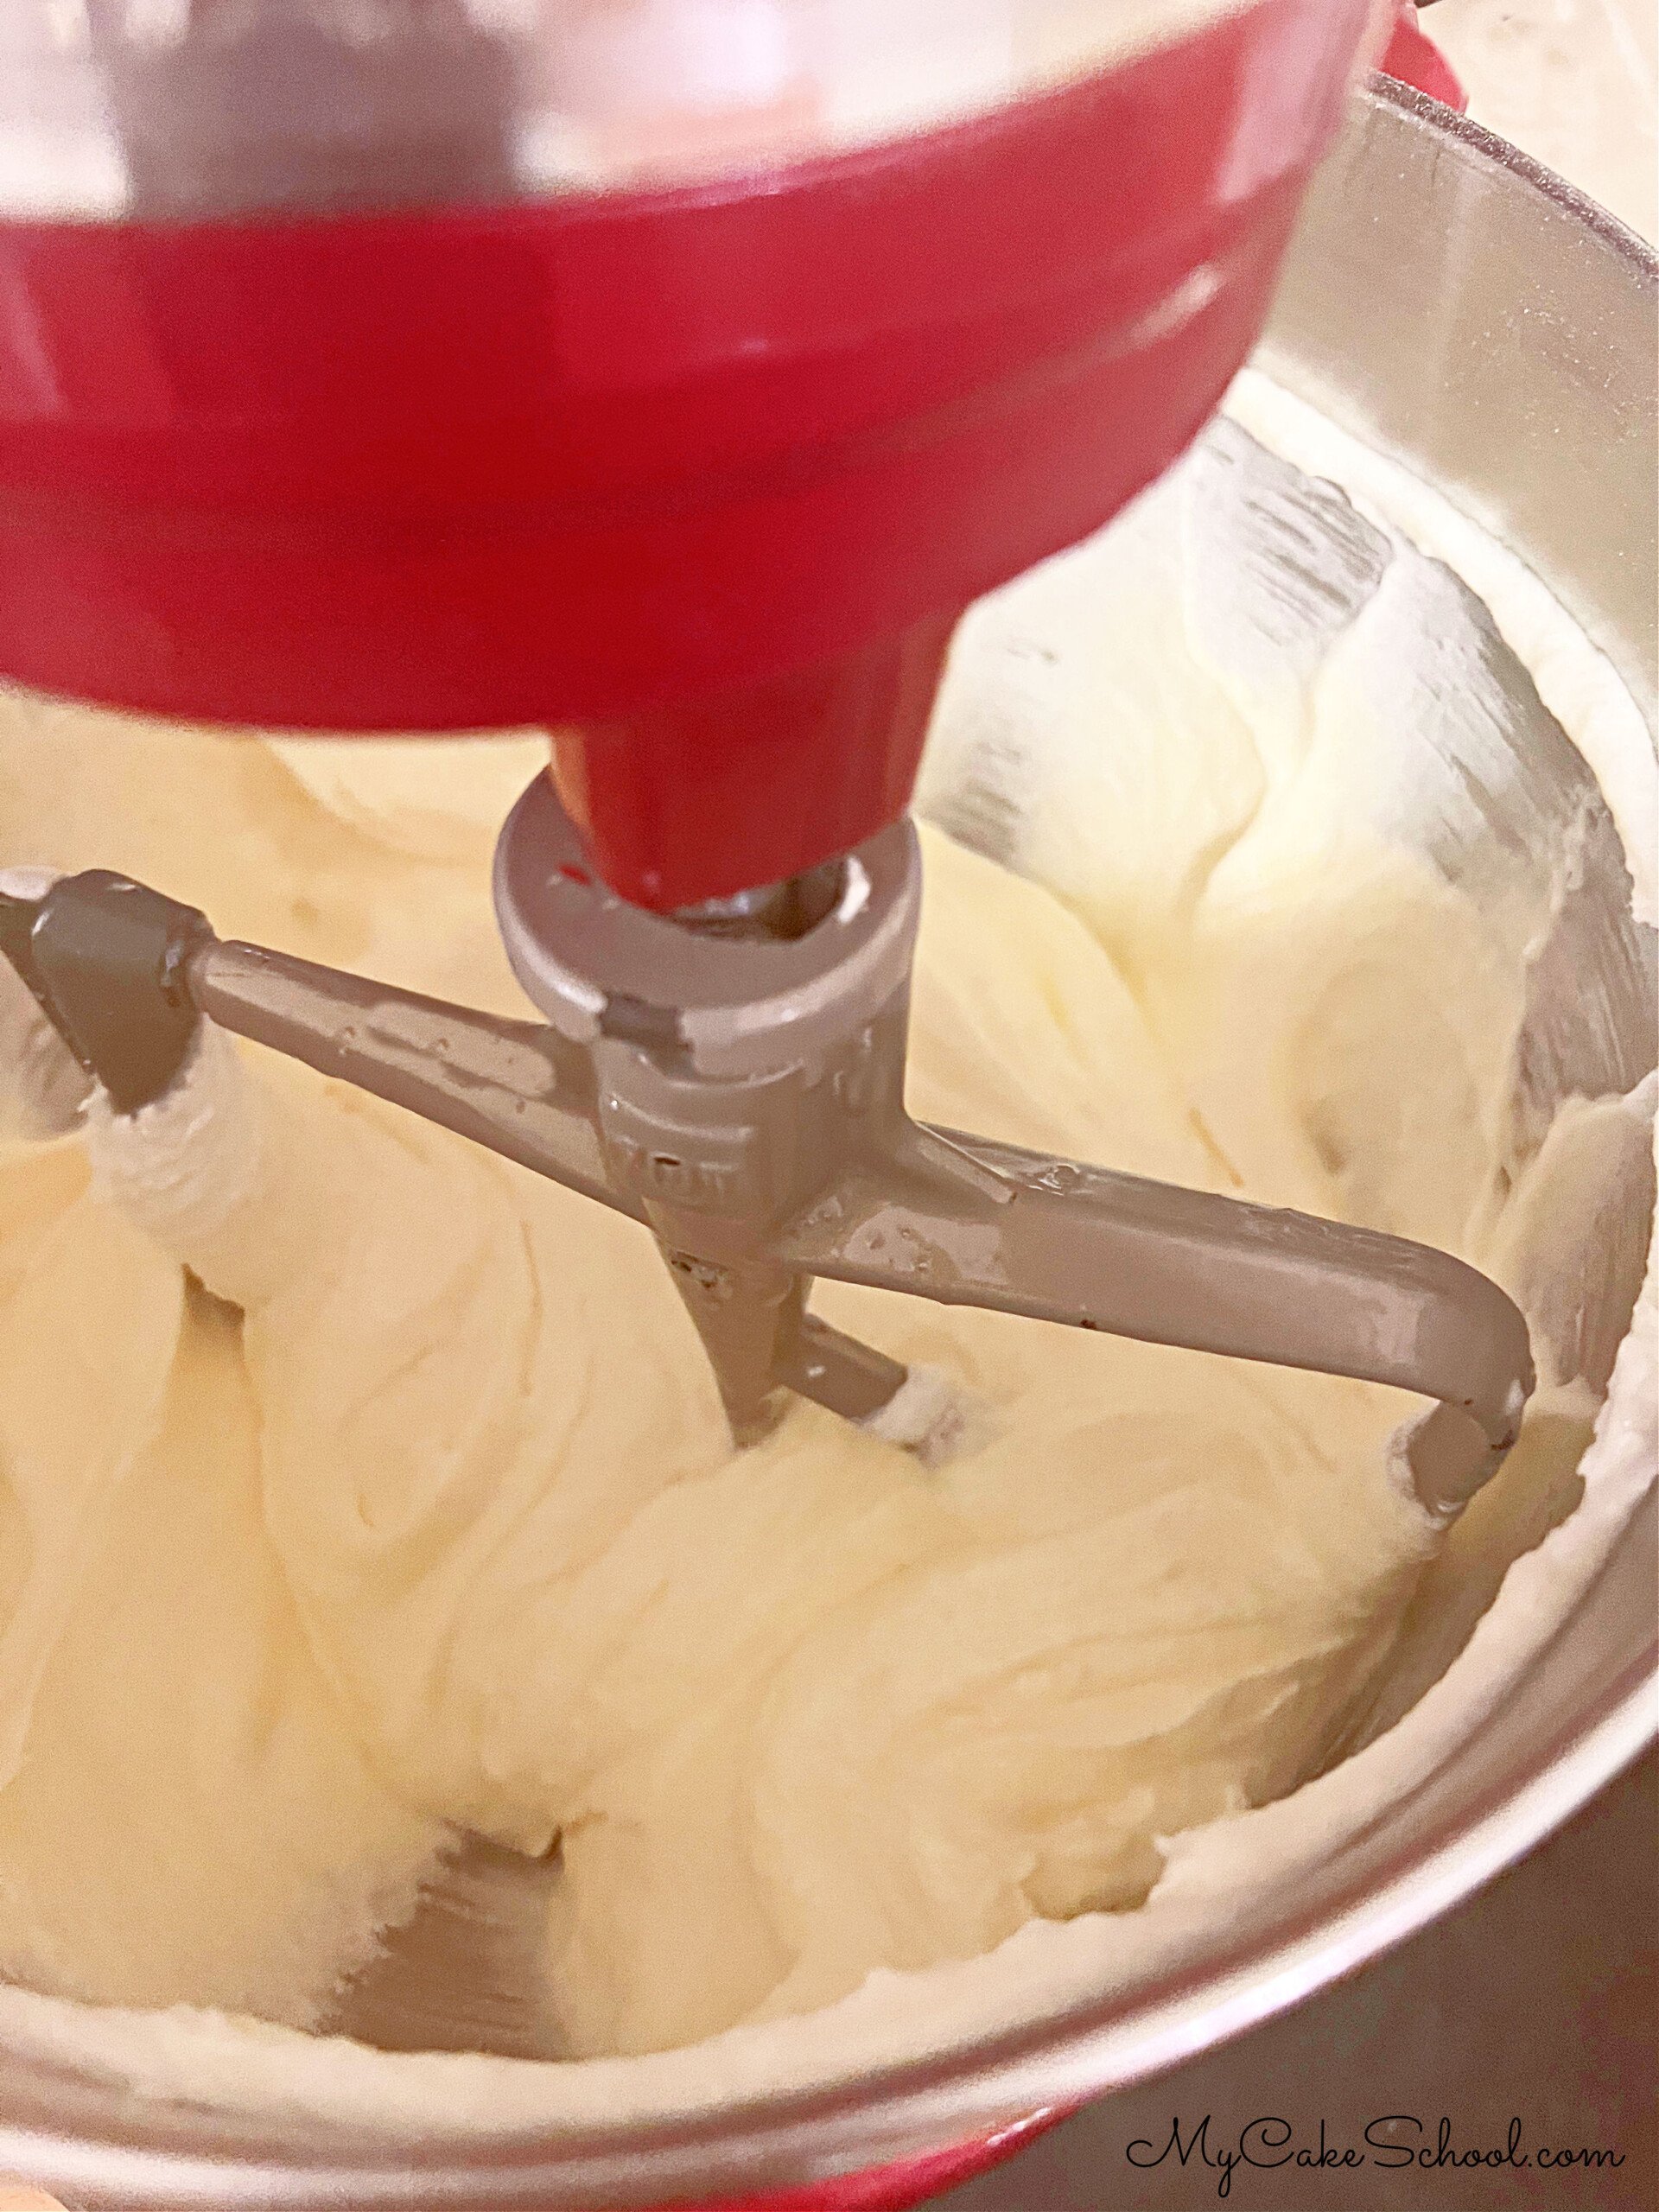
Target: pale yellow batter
(357, 1488)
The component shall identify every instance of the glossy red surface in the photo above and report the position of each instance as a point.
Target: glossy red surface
(681, 467)
(1415, 60)
(894, 2188)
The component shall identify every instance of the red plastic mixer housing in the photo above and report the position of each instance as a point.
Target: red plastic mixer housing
(700, 477)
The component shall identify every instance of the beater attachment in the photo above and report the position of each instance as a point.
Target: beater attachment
(732, 1078)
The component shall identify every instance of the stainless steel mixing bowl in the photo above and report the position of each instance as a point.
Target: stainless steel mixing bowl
(1452, 302)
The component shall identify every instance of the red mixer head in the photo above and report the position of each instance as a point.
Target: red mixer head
(667, 376)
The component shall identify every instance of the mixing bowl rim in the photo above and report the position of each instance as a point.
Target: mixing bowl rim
(1463, 132)
(1243, 1991)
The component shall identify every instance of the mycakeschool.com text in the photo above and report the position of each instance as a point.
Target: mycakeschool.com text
(1272, 2144)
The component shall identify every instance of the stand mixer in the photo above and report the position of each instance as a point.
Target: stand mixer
(1422, 237)
(674, 373)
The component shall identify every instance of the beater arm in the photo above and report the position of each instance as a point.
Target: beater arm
(743, 1097)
